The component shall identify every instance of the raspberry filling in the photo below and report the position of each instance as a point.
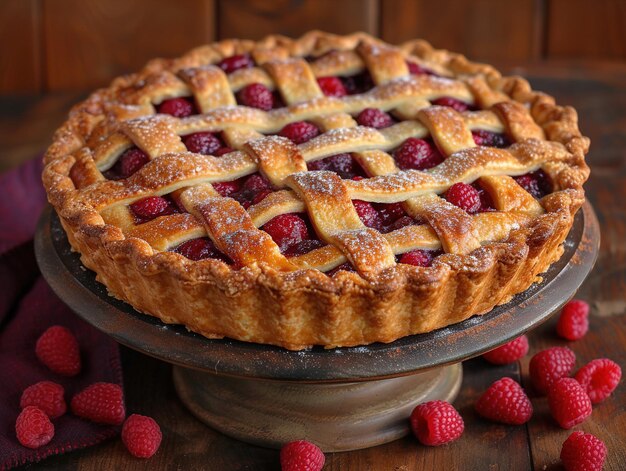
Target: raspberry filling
(374, 118)
(300, 131)
(232, 63)
(128, 163)
(206, 143)
(343, 165)
(471, 198)
(332, 86)
(178, 107)
(490, 139)
(359, 83)
(418, 154)
(416, 69)
(201, 248)
(537, 183)
(418, 257)
(250, 189)
(152, 207)
(257, 95)
(458, 105)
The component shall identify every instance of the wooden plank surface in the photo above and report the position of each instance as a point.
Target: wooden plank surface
(88, 42)
(484, 30)
(20, 55)
(254, 19)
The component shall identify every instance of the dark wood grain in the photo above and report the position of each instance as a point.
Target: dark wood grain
(484, 30)
(20, 55)
(88, 42)
(253, 19)
(599, 94)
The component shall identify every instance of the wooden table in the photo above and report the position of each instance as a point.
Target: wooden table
(598, 91)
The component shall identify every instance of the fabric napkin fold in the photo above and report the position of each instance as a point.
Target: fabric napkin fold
(27, 308)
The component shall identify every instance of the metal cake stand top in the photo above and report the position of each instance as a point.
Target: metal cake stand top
(78, 288)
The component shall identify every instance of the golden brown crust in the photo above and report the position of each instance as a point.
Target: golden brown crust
(290, 301)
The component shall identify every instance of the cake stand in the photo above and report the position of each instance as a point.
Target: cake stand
(342, 398)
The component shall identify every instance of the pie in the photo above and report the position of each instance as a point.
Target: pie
(328, 190)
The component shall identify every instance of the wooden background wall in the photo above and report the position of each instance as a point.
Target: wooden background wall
(51, 45)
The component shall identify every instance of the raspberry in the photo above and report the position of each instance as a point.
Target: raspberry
(549, 365)
(505, 401)
(151, 207)
(420, 258)
(367, 214)
(490, 139)
(486, 203)
(254, 185)
(332, 86)
(374, 118)
(300, 131)
(569, 403)
(57, 348)
(301, 456)
(222, 151)
(286, 230)
(304, 246)
(509, 352)
(177, 107)
(260, 196)
(417, 154)
(599, 378)
(342, 164)
(536, 183)
(47, 396)
(141, 435)
(256, 95)
(197, 249)
(232, 63)
(227, 188)
(573, 322)
(436, 422)
(205, 143)
(453, 103)
(583, 452)
(464, 196)
(389, 212)
(400, 223)
(416, 69)
(33, 427)
(130, 161)
(102, 403)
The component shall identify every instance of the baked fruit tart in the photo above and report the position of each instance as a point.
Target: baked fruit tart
(328, 190)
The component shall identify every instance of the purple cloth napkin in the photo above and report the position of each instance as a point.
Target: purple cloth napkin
(27, 308)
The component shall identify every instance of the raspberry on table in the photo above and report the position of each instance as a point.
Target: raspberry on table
(569, 403)
(102, 403)
(332, 86)
(599, 378)
(256, 95)
(505, 401)
(57, 348)
(436, 423)
(47, 396)
(509, 352)
(286, 230)
(236, 62)
(130, 162)
(299, 132)
(453, 103)
(141, 435)
(549, 365)
(33, 427)
(420, 258)
(177, 107)
(417, 154)
(301, 455)
(583, 452)
(205, 143)
(464, 196)
(374, 118)
(573, 321)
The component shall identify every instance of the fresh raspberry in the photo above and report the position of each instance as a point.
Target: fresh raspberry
(102, 403)
(359, 83)
(464, 196)
(57, 348)
(205, 143)
(151, 207)
(505, 401)
(374, 118)
(301, 456)
(389, 212)
(130, 161)
(420, 258)
(368, 215)
(490, 139)
(549, 365)
(332, 86)
(436, 422)
(47, 396)
(509, 352)
(286, 230)
(177, 107)
(573, 322)
(304, 246)
(33, 427)
(256, 95)
(537, 183)
(232, 63)
(583, 452)
(227, 188)
(141, 435)
(342, 164)
(569, 403)
(453, 103)
(417, 154)
(223, 151)
(300, 131)
(197, 249)
(599, 378)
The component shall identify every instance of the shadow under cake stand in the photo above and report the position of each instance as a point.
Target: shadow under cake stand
(342, 398)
